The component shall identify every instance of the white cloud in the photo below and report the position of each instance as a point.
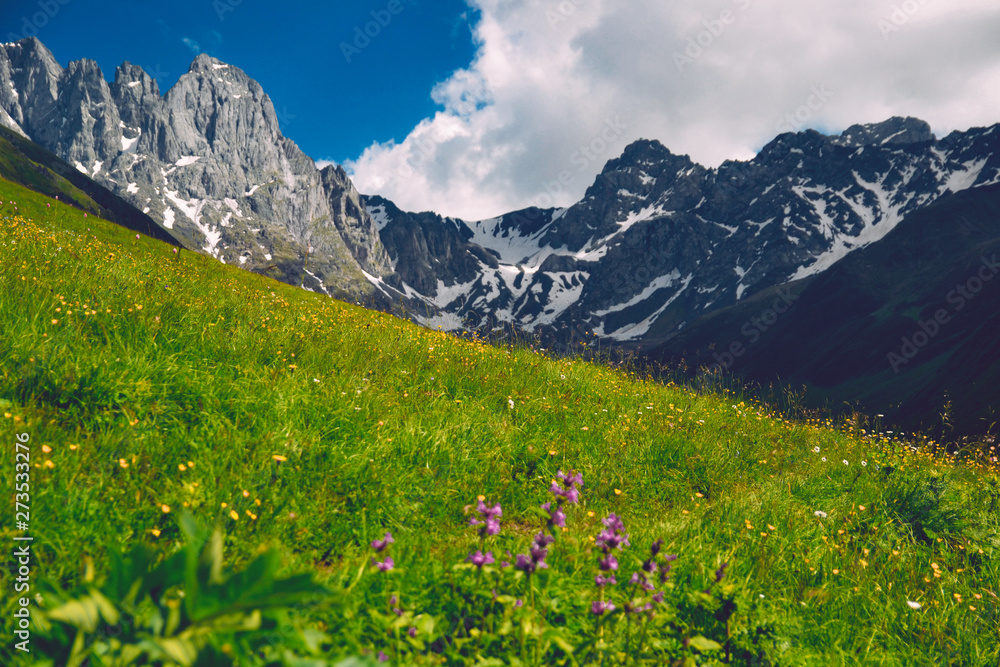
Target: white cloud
(191, 44)
(551, 77)
(323, 163)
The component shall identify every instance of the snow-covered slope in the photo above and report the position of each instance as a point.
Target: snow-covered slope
(659, 240)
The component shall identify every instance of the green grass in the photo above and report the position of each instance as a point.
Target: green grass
(151, 384)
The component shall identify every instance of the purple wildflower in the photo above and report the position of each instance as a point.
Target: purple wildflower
(380, 545)
(490, 523)
(556, 517)
(658, 597)
(598, 608)
(611, 540)
(488, 512)
(654, 548)
(382, 657)
(609, 562)
(721, 572)
(543, 540)
(528, 565)
(479, 559)
(614, 523)
(602, 581)
(640, 579)
(565, 487)
(412, 632)
(385, 565)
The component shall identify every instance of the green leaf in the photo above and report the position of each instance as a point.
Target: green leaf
(85, 612)
(425, 625)
(556, 637)
(704, 644)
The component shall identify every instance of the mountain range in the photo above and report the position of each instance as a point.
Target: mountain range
(661, 255)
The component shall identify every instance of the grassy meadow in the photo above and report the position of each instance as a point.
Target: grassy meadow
(167, 396)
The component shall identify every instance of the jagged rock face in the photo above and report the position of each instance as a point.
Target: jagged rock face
(207, 161)
(659, 241)
(353, 222)
(896, 130)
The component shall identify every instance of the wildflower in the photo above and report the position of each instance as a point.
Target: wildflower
(846, 463)
(612, 540)
(382, 657)
(556, 517)
(234, 515)
(913, 605)
(816, 449)
(824, 459)
(721, 572)
(491, 526)
(136, 237)
(820, 513)
(656, 546)
(279, 458)
(510, 403)
(598, 608)
(380, 545)
(165, 509)
(528, 565)
(479, 558)
(385, 565)
(602, 581)
(412, 632)
(609, 562)
(864, 463)
(658, 597)
(570, 482)
(639, 579)
(535, 558)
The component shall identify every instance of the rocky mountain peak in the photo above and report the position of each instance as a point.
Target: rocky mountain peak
(133, 80)
(207, 161)
(896, 130)
(645, 152)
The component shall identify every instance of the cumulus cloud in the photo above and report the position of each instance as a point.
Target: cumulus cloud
(558, 87)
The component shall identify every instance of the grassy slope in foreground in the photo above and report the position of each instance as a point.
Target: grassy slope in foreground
(151, 382)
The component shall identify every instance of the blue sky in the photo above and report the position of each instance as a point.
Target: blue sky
(331, 107)
(473, 108)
